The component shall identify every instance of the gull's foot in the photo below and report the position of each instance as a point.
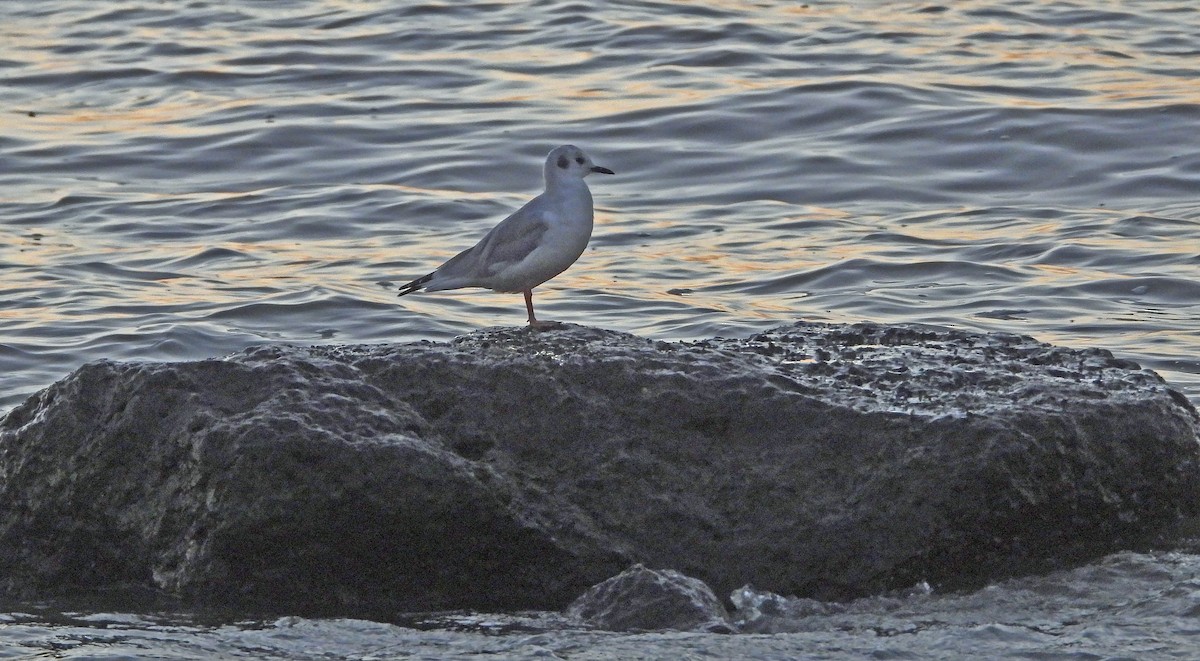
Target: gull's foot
(546, 325)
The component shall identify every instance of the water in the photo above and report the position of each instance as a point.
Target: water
(1128, 606)
(181, 180)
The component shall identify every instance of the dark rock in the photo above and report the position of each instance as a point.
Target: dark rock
(512, 469)
(274, 480)
(641, 599)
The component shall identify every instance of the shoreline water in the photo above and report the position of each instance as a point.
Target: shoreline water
(180, 183)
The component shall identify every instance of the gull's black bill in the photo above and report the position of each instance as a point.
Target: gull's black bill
(597, 168)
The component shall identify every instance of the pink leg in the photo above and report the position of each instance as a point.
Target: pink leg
(529, 305)
(533, 321)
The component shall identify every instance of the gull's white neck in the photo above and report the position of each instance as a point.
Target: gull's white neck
(554, 180)
(564, 186)
(574, 198)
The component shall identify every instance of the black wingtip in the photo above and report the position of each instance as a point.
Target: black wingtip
(415, 285)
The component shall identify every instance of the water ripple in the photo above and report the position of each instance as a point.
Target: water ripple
(184, 182)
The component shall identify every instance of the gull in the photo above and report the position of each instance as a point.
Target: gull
(534, 244)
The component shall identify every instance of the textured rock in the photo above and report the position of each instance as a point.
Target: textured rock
(513, 469)
(276, 479)
(641, 599)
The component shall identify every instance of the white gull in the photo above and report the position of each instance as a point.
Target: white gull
(534, 244)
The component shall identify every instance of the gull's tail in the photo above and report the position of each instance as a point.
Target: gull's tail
(415, 285)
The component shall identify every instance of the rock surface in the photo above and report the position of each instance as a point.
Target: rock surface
(641, 599)
(512, 469)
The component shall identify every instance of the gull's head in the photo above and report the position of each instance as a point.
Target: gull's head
(569, 162)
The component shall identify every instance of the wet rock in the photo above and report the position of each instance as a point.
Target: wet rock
(512, 469)
(641, 599)
(275, 480)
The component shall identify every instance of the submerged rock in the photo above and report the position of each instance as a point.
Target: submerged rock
(512, 469)
(641, 599)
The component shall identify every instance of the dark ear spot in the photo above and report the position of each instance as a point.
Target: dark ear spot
(562, 161)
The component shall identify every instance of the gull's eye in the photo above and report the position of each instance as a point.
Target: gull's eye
(579, 160)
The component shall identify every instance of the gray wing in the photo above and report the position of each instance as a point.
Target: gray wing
(508, 243)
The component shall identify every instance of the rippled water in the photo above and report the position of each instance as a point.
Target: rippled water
(1128, 606)
(180, 180)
